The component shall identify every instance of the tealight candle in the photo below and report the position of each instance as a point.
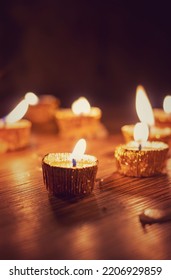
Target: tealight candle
(163, 117)
(42, 109)
(70, 174)
(141, 158)
(81, 120)
(145, 114)
(14, 131)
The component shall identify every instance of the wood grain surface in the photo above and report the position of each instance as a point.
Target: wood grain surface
(104, 225)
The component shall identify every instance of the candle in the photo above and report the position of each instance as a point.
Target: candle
(81, 120)
(15, 131)
(141, 158)
(163, 117)
(70, 174)
(145, 114)
(42, 109)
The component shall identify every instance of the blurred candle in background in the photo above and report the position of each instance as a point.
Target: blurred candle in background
(163, 116)
(81, 120)
(15, 131)
(145, 113)
(42, 112)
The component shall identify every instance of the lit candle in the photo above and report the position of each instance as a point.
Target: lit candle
(78, 151)
(163, 117)
(82, 107)
(42, 109)
(70, 174)
(145, 114)
(81, 120)
(141, 158)
(140, 134)
(15, 131)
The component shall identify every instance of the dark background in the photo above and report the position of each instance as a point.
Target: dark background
(99, 49)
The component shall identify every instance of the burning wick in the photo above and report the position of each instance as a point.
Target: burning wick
(74, 162)
(81, 106)
(139, 147)
(141, 134)
(78, 151)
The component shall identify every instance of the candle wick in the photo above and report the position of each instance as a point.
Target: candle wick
(149, 129)
(74, 163)
(139, 147)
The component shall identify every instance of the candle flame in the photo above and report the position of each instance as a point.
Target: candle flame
(31, 98)
(143, 107)
(18, 112)
(79, 149)
(167, 104)
(141, 132)
(81, 106)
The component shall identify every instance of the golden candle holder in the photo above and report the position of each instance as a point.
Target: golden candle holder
(15, 135)
(77, 126)
(149, 161)
(62, 179)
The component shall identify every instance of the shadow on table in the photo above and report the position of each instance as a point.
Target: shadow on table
(74, 211)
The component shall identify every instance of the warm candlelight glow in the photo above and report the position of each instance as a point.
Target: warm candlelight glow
(141, 132)
(81, 106)
(31, 98)
(167, 104)
(79, 149)
(17, 113)
(143, 107)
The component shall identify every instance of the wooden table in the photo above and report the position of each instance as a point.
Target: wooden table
(105, 225)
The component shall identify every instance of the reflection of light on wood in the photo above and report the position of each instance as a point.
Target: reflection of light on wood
(135, 204)
(86, 241)
(20, 172)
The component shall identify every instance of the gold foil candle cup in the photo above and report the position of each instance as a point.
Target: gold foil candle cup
(16, 135)
(141, 158)
(62, 179)
(80, 121)
(14, 131)
(149, 161)
(69, 175)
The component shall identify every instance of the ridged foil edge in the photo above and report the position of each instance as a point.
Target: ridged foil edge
(69, 181)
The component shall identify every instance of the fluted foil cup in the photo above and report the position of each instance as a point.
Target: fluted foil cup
(141, 163)
(62, 179)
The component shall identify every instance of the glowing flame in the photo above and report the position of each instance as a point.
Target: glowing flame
(81, 106)
(79, 149)
(18, 112)
(31, 98)
(143, 107)
(167, 104)
(141, 132)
